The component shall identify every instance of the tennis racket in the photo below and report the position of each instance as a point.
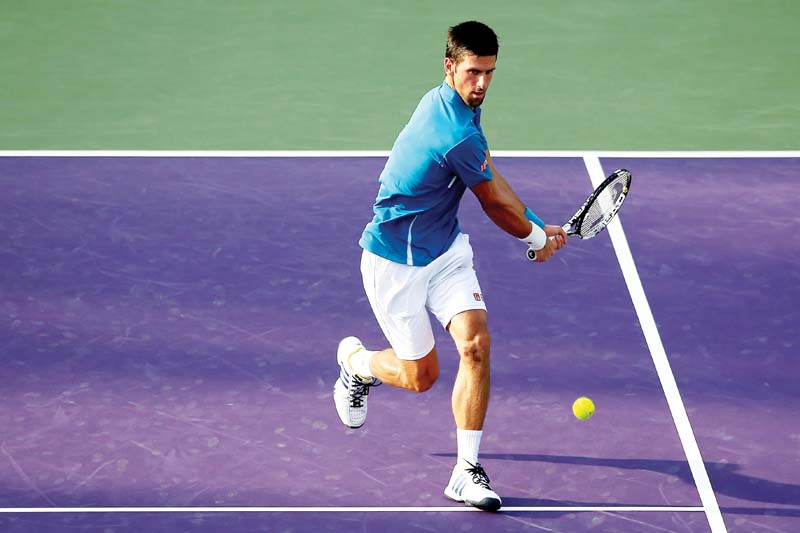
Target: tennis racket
(599, 209)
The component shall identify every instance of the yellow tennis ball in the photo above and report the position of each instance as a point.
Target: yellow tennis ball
(583, 408)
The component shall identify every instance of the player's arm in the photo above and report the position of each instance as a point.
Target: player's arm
(502, 205)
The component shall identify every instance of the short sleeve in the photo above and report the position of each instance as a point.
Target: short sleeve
(468, 160)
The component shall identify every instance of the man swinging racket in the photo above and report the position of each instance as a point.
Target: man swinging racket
(416, 259)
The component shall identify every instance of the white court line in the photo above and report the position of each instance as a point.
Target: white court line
(612, 509)
(385, 153)
(659, 355)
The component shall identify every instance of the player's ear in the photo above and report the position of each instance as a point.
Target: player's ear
(449, 66)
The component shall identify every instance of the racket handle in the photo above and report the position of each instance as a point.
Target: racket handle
(532, 252)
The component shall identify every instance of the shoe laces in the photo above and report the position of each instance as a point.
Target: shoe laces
(479, 476)
(358, 389)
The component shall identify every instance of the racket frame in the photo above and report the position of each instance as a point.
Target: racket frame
(573, 226)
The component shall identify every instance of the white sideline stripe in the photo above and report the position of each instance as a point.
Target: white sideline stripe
(659, 355)
(620, 509)
(385, 153)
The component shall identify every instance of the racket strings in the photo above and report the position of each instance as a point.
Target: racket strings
(603, 208)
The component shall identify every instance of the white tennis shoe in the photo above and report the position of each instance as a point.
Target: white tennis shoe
(470, 484)
(351, 390)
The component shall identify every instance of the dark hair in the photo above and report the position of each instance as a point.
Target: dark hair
(471, 37)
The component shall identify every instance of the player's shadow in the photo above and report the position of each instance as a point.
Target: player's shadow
(725, 478)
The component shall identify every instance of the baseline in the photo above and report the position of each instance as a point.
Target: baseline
(293, 509)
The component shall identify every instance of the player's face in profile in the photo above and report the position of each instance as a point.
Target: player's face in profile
(471, 77)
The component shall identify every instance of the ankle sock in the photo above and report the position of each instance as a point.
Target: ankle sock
(469, 441)
(359, 362)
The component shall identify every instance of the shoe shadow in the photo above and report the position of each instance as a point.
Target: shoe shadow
(726, 478)
(539, 502)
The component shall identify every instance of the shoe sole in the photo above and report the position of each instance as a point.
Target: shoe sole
(487, 504)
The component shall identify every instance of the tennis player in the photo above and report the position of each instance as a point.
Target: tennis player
(415, 258)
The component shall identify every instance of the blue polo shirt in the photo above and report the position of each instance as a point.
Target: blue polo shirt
(439, 153)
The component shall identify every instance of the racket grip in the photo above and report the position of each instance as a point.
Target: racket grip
(532, 253)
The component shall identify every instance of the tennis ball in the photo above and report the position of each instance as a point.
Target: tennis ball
(583, 408)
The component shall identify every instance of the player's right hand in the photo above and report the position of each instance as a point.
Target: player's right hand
(543, 254)
(557, 239)
(556, 234)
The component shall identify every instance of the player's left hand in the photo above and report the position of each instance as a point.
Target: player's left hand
(557, 234)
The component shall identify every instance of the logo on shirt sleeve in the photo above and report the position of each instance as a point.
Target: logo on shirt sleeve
(478, 297)
(484, 165)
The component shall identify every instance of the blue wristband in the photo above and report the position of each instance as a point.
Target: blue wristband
(530, 215)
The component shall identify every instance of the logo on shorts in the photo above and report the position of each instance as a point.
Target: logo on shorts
(477, 296)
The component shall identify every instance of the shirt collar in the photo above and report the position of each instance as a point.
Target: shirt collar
(452, 96)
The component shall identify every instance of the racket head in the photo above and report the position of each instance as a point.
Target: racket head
(601, 206)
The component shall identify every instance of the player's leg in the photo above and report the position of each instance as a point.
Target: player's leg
(361, 369)
(416, 375)
(469, 482)
(397, 294)
(456, 299)
(471, 389)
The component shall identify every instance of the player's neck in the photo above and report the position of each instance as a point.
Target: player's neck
(449, 81)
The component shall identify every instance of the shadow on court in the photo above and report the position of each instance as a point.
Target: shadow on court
(725, 478)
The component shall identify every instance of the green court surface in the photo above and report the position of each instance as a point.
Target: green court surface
(336, 75)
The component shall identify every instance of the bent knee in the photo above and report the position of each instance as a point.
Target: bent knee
(425, 380)
(424, 374)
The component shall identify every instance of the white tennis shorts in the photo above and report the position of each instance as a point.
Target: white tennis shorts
(401, 295)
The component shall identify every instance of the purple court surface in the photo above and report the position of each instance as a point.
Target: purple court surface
(169, 324)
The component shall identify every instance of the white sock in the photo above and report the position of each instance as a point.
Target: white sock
(359, 362)
(469, 441)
